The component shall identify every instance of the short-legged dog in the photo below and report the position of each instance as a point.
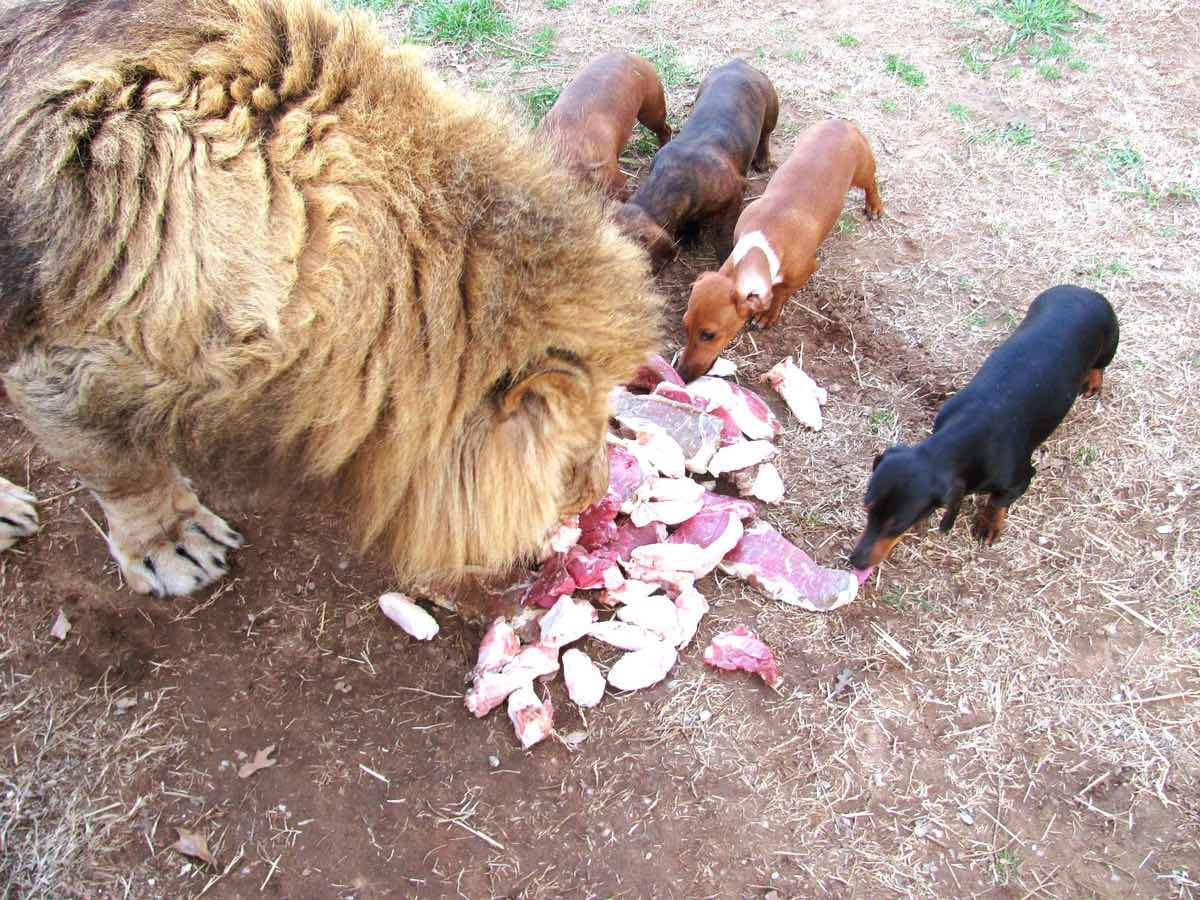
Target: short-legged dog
(777, 237)
(983, 436)
(593, 118)
(700, 175)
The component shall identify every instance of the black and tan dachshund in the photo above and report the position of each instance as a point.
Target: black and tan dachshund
(983, 436)
(700, 175)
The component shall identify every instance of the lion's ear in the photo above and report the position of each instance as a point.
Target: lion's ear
(549, 385)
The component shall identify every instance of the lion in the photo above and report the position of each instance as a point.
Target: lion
(252, 227)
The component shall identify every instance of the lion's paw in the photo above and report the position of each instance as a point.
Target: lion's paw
(185, 558)
(18, 515)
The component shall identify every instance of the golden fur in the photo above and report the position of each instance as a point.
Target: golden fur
(254, 224)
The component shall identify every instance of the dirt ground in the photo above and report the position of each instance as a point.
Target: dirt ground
(1019, 721)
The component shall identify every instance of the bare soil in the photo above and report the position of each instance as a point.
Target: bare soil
(1018, 721)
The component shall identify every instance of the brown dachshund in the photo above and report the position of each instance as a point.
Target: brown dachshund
(593, 118)
(777, 238)
(700, 175)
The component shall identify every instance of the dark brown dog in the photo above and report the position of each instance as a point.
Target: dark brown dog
(700, 175)
(777, 239)
(593, 118)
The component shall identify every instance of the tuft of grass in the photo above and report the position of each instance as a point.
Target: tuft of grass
(1078, 65)
(1005, 867)
(1104, 271)
(665, 58)
(888, 105)
(906, 72)
(1016, 133)
(847, 40)
(537, 102)
(557, 4)
(1119, 158)
(542, 43)
(1049, 71)
(459, 22)
(905, 601)
(1033, 19)
(847, 224)
(974, 61)
(959, 112)
(796, 56)
(1088, 455)
(881, 421)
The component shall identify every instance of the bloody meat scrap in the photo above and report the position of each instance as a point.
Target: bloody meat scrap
(742, 649)
(654, 371)
(782, 571)
(697, 433)
(803, 396)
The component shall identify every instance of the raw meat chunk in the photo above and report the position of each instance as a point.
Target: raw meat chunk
(669, 581)
(552, 581)
(741, 649)
(691, 606)
(498, 648)
(713, 533)
(746, 409)
(585, 681)
(630, 536)
(803, 396)
(654, 371)
(629, 592)
(762, 482)
(698, 434)
(624, 635)
(568, 620)
(490, 689)
(656, 614)
(414, 620)
(532, 719)
(668, 500)
(642, 668)
(782, 571)
(591, 571)
(714, 502)
(741, 455)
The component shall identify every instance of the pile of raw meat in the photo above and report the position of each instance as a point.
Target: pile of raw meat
(624, 571)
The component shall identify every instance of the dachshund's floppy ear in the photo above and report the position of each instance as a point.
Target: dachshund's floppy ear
(751, 305)
(951, 499)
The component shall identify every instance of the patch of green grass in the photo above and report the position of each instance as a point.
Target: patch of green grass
(665, 58)
(888, 105)
(975, 319)
(905, 601)
(1005, 867)
(1049, 71)
(1078, 65)
(1103, 272)
(906, 72)
(1119, 157)
(1016, 133)
(643, 143)
(974, 61)
(538, 101)
(1032, 19)
(1088, 455)
(459, 22)
(847, 224)
(796, 56)
(847, 40)
(960, 112)
(881, 421)
(557, 4)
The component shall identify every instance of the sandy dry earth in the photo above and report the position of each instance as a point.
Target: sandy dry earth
(1019, 721)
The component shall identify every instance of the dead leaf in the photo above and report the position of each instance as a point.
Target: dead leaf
(60, 627)
(261, 761)
(195, 845)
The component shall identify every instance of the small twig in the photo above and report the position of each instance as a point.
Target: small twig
(375, 774)
(228, 869)
(1094, 782)
(270, 872)
(477, 833)
(99, 530)
(1137, 615)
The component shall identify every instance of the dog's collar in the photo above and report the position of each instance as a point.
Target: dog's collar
(759, 240)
